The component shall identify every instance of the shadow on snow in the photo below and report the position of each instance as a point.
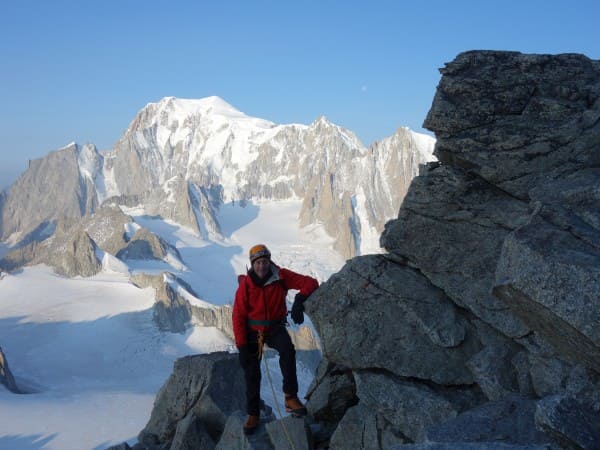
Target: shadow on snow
(125, 353)
(31, 442)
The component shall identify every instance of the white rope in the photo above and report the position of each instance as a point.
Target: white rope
(277, 405)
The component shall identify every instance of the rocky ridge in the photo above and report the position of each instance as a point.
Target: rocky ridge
(83, 247)
(479, 327)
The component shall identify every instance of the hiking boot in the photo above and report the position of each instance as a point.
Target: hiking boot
(251, 424)
(294, 406)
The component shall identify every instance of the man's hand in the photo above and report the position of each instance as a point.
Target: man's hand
(298, 309)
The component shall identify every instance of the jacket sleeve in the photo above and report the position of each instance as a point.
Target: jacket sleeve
(303, 283)
(240, 314)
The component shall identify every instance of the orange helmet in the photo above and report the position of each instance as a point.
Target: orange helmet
(259, 251)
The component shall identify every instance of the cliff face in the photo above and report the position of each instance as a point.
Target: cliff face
(489, 295)
(51, 188)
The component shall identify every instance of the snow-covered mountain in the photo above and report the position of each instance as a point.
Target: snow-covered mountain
(183, 158)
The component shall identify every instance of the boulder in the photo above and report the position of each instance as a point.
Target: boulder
(207, 388)
(376, 313)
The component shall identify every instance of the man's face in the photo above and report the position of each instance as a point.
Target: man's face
(261, 267)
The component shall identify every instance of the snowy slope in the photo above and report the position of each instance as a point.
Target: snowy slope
(88, 351)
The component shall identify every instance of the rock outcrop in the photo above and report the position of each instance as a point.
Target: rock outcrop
(490, 286)
(107, 227)
(70, 251)
(196, 402)
(6, 377)
(202, 407)
(146, 245)
(172, 310)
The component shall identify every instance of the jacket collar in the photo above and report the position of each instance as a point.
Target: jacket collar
(273, 277)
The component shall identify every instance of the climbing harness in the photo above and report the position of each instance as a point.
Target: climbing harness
(261, 343)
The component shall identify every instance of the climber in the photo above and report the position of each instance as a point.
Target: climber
(259, 317)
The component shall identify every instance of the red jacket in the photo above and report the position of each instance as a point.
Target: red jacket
(267, 302)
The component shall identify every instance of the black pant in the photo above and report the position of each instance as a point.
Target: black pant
(279, 339)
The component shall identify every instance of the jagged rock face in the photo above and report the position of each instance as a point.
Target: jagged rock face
(51, 188)
(452, 226)
(76, 255)
(505, 232)
(70, 252)
(186, 203)
(517, 119)
(551, 279)
(368, 192)
(6, 377)
(107, 228)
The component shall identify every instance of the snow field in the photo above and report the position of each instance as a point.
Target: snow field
(88, 351)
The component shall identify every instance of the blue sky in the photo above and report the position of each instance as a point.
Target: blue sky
(81, 70)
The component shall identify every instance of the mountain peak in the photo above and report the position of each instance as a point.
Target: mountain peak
(321, 121)
(212, 105)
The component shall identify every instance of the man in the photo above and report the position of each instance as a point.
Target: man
(259, 317)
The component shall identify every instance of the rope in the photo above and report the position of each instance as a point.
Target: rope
(261, 343)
